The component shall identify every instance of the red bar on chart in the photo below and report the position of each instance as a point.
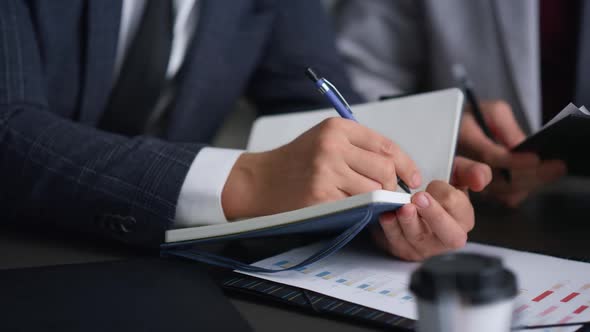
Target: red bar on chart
(542, 296)
(565, 319)
(521, 309)
(580, 309)
(548, 310)
(569, 297)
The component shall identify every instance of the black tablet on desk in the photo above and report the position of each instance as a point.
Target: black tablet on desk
(128, 295)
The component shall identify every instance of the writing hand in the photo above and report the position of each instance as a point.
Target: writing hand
(333, 160)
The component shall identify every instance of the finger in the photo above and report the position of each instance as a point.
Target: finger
(354, 183)
(523, 180)
(367, 139)
(551, 170)
(514, 199)
(500, 118)
(530, 179)
(475, 144)
(445, 227)
(393, 239)
(374, 166)
(524, 160)
(469, 174)
(456, 203)
(419, 236)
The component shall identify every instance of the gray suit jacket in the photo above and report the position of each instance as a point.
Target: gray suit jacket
(410, 45)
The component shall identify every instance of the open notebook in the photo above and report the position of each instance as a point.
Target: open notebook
(424, 125)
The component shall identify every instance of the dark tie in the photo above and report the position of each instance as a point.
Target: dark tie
(143, 74)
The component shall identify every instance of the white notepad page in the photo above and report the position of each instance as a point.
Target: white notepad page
(424, 125)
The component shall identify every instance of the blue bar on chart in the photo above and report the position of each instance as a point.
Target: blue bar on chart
(407, 297)
(384, 292)
(281, 263)
(363, 286)
(340, 281)
(301, 268)
(322, 274)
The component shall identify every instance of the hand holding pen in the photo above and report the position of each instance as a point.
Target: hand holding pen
(339, 103)
(488, 133)
(467, 87)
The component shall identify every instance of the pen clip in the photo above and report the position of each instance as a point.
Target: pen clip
(337, 93)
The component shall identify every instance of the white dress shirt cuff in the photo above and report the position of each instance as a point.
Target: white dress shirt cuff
(199, 202)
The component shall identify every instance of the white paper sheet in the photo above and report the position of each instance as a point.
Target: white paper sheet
(551, 290)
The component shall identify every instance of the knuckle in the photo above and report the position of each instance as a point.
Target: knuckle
(319, 168)
(387, 170)
(403, 253)
(451, 198)
(318, 193)
(374, 186)
(416, 257)
(327, 144)
(470, 223)
(331, 124)
(436, 188)
(458, 241)
(501, 106)
(388, 147)
(420, 239)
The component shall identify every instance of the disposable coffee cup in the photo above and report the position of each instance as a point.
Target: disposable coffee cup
(463, 292)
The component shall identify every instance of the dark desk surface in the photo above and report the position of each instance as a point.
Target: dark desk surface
(553, 222)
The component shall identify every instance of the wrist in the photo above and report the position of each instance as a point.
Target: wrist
(239, 191)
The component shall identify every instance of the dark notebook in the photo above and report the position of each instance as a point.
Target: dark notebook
(565, 137)
(131, 295)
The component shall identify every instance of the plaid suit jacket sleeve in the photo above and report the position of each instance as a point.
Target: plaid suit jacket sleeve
(56, 172)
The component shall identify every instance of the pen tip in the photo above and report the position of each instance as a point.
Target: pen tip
(311, 74)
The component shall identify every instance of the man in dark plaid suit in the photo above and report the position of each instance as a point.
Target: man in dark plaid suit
(101, 103)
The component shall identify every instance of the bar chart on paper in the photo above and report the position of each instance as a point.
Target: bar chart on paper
(564, 302)
(559, 294)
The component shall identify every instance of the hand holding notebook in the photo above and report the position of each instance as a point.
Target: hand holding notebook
(564, 138)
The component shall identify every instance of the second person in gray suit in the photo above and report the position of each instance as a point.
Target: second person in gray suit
(525, 58)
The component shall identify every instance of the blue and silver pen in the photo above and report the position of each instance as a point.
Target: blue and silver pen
(339, 103)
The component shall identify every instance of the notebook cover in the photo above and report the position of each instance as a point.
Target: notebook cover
(132, 295)
(321, 224)
(567, 140)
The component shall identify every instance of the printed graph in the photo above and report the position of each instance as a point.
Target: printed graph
(565, 302)
(371, 279)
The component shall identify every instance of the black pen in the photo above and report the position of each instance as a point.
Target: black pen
(339, 103)
(467, 86)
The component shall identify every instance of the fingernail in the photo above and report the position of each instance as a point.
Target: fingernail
(422, 201)
(416, 179)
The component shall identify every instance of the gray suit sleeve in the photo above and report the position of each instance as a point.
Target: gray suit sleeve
(383, 45)
(58, 173)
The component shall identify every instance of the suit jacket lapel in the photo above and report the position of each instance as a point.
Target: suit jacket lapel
(582, 94)
(518, 30)
(227, 34)
(102, 24)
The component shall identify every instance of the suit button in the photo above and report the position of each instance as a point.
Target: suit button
(128, 224)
